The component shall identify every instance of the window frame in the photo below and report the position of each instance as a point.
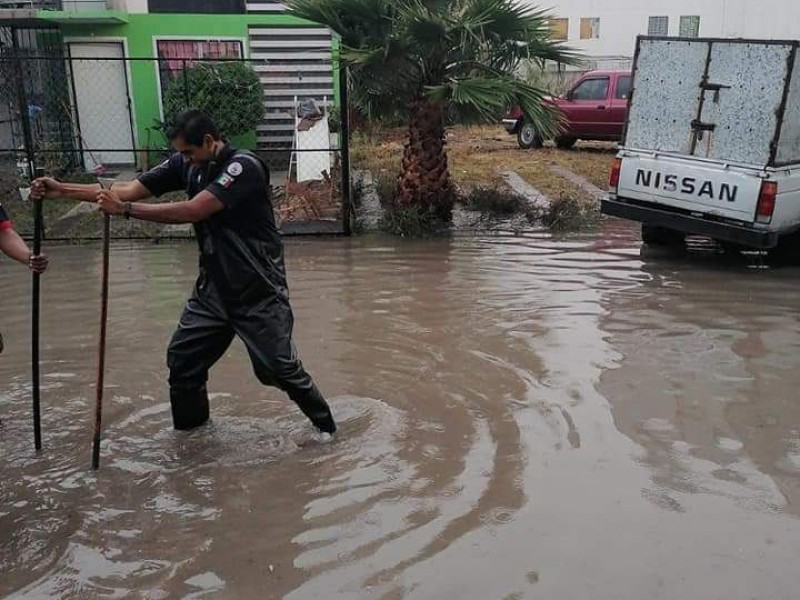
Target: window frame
(660, 19)
(553, 30)
(161, 84)
(592, 24)
(695, 20)
(605, 78)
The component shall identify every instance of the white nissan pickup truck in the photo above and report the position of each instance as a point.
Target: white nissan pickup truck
(712, 143)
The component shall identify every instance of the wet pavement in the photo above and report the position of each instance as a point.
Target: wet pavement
(522, 417)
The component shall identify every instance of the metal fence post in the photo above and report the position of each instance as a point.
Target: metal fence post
(344, 111)
(36, 289)
(186, 99)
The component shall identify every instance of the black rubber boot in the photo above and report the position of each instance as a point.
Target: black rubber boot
(189, 407)
(315, 408)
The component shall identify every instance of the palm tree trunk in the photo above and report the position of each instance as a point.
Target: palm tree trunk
(424, 179)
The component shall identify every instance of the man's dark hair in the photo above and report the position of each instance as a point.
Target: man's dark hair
(192, 126)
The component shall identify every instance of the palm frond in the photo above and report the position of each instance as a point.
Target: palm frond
(467, 54)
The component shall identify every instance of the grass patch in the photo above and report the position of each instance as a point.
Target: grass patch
(410, 221)
(570, 213)
(480, 155)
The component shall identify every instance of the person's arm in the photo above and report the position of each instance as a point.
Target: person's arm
(50, 189)
(166, 177)
(241, 181)
(199, 208)
(13, 246)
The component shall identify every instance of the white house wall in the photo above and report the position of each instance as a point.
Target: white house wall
(622, 20)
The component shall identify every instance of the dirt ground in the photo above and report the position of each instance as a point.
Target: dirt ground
(480, 154)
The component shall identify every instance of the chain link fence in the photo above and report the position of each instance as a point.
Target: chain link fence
(80, 114)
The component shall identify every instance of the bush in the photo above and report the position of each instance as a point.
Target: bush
(410, 221)
(495, 200)
(386, 188)
(403, 221)
(230, 92)
(569, 212)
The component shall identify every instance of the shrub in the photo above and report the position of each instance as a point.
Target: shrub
(230, 92)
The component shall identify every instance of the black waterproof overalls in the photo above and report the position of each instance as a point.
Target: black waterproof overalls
(241, 289)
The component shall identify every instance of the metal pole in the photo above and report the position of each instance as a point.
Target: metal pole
(37, 245)
(345, 143)
(101, 351)
(36, 302)
(185, 87)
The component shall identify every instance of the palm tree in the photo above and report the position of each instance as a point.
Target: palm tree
(436, 60)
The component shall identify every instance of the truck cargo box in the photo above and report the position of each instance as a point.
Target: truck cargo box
(729, 101)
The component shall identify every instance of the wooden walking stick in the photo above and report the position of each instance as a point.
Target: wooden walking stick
(101, 350)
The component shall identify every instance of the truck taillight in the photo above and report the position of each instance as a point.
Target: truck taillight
(613, 179)
(766, 202)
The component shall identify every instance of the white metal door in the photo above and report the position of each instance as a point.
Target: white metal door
(666, 96)
(744, 89)
(101, 98)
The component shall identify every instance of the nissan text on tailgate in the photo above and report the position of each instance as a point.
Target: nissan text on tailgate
(712, 142)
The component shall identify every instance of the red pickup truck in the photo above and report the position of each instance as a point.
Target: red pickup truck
(595, 108)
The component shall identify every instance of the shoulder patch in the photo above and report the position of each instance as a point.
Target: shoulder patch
(235, 169)
(225, 180)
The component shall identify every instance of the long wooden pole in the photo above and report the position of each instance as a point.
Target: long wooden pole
(101, 350)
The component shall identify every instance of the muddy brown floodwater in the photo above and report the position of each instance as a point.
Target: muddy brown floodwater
(522, 417)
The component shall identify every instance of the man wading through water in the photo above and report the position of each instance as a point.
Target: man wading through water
(242, 286)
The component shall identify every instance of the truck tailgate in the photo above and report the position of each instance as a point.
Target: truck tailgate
(694, 186)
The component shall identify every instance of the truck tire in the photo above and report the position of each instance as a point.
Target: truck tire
(661, 236)
(528, 138)
(788, 249)
(565, 142)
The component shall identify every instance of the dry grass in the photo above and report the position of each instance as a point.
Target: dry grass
(480, 154)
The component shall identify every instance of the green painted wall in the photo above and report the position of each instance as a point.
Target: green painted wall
(139, 31)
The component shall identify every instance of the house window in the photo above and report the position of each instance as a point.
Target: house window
(590, 29)
(196, 6)
(559, 29)
(690, 27)
(658, 26)
(175, 55)
(591, 89)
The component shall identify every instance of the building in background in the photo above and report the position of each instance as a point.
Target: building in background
(606, 30)
(117, 102)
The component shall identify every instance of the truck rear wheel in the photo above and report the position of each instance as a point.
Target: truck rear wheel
(528, 138)
(661, 236)
(788, 249)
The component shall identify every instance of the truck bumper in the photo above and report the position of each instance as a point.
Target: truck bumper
(746, 236)
(511, 125)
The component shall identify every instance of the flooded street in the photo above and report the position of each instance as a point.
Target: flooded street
(522, 417)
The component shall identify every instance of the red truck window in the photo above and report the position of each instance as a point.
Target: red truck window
(591, 89)
(624, 84)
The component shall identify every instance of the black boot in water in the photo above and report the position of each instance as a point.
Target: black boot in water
(189, 407)
(315, 407)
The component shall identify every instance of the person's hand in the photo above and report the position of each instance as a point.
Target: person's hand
(46, 188)
(110, 203)
(38, 263)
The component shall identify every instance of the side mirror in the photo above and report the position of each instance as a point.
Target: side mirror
(568, 96)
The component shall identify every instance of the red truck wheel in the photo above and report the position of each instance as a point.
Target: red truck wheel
(528, 137)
